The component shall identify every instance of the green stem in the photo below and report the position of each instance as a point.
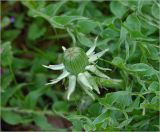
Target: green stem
(27, 111)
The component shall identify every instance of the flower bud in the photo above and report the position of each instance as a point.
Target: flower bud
(75, 60)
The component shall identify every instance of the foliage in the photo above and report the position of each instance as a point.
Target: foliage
(33, 34)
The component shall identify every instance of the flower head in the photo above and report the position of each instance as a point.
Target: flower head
(77, 66)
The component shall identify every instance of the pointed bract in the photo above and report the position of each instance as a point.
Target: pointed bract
(94, 70)
(59, 78)
(92, 82)
(91, 50)
(102, 68)
(63, 48)
(89, 93)
(98, 55)
(82, 79)
(86, 89)
(54, 67)
(72, 85)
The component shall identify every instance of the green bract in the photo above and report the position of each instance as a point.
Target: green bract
(75, 60)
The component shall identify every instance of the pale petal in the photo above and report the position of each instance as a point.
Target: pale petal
(82, 78)
(91, 50)
(98, 55)
(92, 82)
(94, 70)
(72, 85)
(63, 48)
(59, 78)
(55, 67)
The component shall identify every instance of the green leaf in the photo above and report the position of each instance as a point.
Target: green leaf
(152, 106)
(122, 98)
(141, 123)
(133, 23)
(20, 63)
(11, 34)
(86, 26)
(142, 69)
(154, 86)
(32, 98)
(60, 106)
(153, 52)
(101, 118)
(62, 21)
(94, 109)
(19, 23)
(84, 40)
(42, 122)
(37, 64)
(6, 80)
(7, 54)
(55, 21)
(11, 117)
(34, 31)
(118, 9)
(118, 61)
(5, 22)
(134, 105)
(123, 34)
(77, 125)
(110, 32)
(124, 123)
(52, 9)
(73, 117)
(156, 10)
(9, 92)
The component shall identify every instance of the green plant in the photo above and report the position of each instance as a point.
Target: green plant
(33, 33)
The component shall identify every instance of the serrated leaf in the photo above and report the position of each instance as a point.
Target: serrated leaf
(122, 98)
